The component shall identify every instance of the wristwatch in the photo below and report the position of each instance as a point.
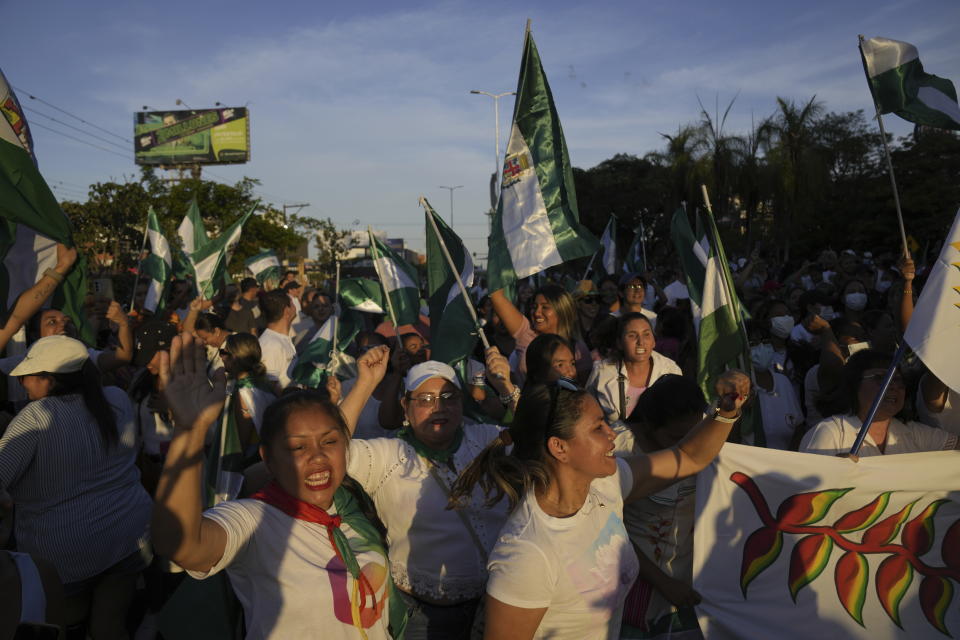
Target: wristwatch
(719, 418)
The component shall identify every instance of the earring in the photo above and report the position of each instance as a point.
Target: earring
(406, 422)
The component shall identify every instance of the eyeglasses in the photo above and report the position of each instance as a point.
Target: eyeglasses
(430, 400)
(878, 378)
(564, 384)
(635, 287)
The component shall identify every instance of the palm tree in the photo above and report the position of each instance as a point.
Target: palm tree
(793, 151)
(682, 163)
(719, 154)
(750, 183)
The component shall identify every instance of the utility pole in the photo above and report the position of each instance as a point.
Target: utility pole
(459, 186)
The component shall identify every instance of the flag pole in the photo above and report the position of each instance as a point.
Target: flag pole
(136, 279)
(386, 294)
(590, 265)
(886, 151)
(456, 274)
(865, 427)
(643, 244)
(336, 315)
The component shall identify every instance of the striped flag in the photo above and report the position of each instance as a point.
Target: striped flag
(210, 262)
(453, 331)
(901, 86)
(633, 262)
(318, 359)
(361, 294)
(31, 221)
(608, 244)
(192, 231)
(157, 266)
(264, 266)
(536, 224)
(399, 281)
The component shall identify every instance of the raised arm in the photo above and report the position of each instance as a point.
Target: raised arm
(658, 470)
(371, 367)
(179, 530)
(509, 315)
(123, 354)
(197, 305)
(33, 298)
(907, 271)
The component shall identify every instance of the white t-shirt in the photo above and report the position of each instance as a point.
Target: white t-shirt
(676, 290)
(604, 383)
(288, 577)
(780, 411)
(811, 393)
(837, 434)
(278, 354)
(580, 568)
(431, 552)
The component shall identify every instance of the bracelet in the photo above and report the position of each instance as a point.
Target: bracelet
(510, 397)
(716, 417)
(53, 274)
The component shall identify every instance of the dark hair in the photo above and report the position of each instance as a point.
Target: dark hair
(273, 304)
(543, 412)
(627, 278)
(209, 322)
(275, 419)
(86, 383)
(852, 376)
(539, 356)
(246, 355)
(669, 398)
(248, 283)
(293, 284)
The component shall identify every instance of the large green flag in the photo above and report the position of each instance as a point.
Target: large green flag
(31, 221)
(901, 86)
(399, 281)
(210, 262)
(536, 224)
(192, 231)
(453, 328)
(264, 266)
(157, 266)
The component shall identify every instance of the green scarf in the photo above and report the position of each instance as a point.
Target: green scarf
(440, 457)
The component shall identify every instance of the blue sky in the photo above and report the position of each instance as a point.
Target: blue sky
(359, 108)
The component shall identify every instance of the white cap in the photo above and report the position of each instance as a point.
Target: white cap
(420, 373)
(53, 354)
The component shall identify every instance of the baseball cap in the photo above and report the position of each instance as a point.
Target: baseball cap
(152, 337)
(53, 354)
(420, 373)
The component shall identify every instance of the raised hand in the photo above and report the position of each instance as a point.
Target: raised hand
(733, 390)
(66, 256)
(497, 365)
(195, 401)
(373, 363)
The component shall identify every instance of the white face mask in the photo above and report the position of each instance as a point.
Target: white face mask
(855, 301)
(883, 285)
(762, 356)
(781, 326)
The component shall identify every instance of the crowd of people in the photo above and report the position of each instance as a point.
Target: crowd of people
(548, 493)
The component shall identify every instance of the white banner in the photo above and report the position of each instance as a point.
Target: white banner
(795, 545)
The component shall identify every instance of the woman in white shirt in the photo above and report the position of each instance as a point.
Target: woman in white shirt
(618, 382)
(563, 564)
(304, 556)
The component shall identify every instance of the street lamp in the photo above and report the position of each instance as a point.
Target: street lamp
(496, 122)
(459, 186)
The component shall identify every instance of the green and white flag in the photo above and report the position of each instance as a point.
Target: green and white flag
(901, 86)
(608, 244)
(264, 266)
(399, 281)
(536, 224)
(31, 222)
(633, 262)
(317, 360)
(157, 266)
(362, 294)
(210, 262)
(453, 328)
(192, 231)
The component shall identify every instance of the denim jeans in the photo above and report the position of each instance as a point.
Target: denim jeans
(432, 622)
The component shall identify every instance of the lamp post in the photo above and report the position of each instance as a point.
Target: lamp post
(451, 189)
(497, 165)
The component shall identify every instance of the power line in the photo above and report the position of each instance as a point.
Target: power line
(64, 111)
(66, 135)
(70, 184)
(86, 133)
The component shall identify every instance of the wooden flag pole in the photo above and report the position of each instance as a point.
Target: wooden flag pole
(456, 274)
(886, 153)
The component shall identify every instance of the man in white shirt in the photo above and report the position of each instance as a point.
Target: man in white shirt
(278, 352)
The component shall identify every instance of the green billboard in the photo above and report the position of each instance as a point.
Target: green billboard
(197, 136)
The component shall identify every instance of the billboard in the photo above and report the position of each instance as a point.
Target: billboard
(197, 136)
